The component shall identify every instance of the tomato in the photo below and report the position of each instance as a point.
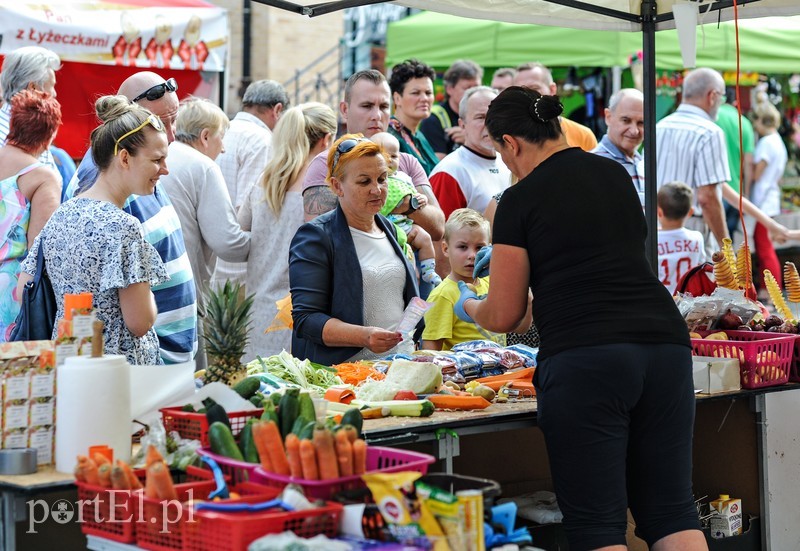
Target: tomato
(405, 395)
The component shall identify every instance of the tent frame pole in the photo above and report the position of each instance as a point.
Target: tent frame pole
(649, 16)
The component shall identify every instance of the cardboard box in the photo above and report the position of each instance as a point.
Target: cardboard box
(714, 375)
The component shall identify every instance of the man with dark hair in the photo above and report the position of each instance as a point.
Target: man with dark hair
(176, 324)
(441, 128)
(365, 110)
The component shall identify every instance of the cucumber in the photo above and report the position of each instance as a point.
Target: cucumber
(247, 387)
(247, 444)
(275, 397)
(257, 400)
(353, 417)
(307, 410)
(288, 410)
(188, 408)
(269, 412)
(298, 425)
(215, 412)
(222, 443)
(307, 431)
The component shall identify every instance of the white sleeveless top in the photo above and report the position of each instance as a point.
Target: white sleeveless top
(383, 276)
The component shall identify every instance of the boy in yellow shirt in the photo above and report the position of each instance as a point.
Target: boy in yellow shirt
(465, 233)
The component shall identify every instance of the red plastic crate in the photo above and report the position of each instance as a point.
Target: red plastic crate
(194, 426)
(794, 373)
(214, 530)
(765, 359)
(238, 471)
(379, 459)
(158, 525)
(97, 505)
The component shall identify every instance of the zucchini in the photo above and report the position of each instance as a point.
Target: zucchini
(353, 417)
(288, 410)
(275, 397)
(270, 414)
(247, 387)
(298, 425)
(307, 431)
(215, 413)
(222, 443)
(246, 443)
(257, 400)
(307, 410)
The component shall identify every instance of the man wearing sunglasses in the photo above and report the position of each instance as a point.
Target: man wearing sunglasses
(177, 310)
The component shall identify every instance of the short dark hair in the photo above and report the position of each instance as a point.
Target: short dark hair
(35, 118)
(675, 199)
(408, 70)
(370, 75)
(524, 113)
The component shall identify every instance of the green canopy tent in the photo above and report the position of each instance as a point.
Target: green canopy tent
(767, 44)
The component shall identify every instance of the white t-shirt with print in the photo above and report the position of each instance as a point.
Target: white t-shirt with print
(678, 252)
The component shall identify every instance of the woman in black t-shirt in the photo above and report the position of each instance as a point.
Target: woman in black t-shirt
(614, 380)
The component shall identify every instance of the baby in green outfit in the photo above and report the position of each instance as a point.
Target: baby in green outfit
(408, 233)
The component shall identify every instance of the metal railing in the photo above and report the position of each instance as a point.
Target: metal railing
(320, 80)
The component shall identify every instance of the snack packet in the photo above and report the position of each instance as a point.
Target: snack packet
(408, 518)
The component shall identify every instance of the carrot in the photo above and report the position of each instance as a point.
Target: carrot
(496, 381)
(308, 459)
(270, 438)
(161, 481)
(326, 454)
(133, 480)
(442, 401)
(359, 457)
(100, 459)
(104, 472)
(89, 469)
(293, 454)
(355, 373)
(262, 446)
(78, 472)
(119, 480)
(153, 456)
(150, 485)
(344, 453)
(351, 432)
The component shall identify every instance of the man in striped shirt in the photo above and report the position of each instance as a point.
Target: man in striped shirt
(625, 121)
(176, 324)
(691, 148)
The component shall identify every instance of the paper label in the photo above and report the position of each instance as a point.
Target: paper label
(17, 438)
(16, 416)
(66, 350)
(42, 413)
(41, 439)
(43, 385)
(17, 388)
(82, 326)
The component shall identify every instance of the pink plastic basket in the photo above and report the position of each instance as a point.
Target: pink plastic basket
(379, 459)
(765, 359)
(238, 471)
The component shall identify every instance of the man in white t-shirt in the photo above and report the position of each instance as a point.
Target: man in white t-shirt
(471, 175)
(679, 249)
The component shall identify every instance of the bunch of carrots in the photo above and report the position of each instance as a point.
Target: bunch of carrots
(98, 471)
(326, 456)
(355, 373)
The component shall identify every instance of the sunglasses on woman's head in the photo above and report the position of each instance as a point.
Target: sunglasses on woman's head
(152, 120)
(345, 147)
(157, 92)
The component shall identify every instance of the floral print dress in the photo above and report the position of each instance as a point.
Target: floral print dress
(15, 214)
(93, 246)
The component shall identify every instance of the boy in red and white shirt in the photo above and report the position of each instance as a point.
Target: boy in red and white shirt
(679, 249)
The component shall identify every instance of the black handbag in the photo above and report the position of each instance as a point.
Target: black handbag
(37, 313)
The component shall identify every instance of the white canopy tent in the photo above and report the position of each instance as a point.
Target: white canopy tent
(647, 16)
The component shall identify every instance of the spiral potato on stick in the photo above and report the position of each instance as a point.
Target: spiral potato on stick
(723, 272)
(776, 295)
(727, 250)
(791, 281)
(744, 267)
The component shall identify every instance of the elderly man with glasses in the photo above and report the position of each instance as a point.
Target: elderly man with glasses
(176, 324)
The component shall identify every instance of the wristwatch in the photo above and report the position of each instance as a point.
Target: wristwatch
(413, 206)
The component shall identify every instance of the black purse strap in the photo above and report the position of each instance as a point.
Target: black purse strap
(39, 261)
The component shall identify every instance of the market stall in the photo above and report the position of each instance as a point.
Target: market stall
(103, 43)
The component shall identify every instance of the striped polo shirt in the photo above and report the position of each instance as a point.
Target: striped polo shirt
(691, 148)
(176, 323)
(634, 165)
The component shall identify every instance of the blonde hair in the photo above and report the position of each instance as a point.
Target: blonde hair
(298, 131)
(464, 218)
(768, 115)
(196, 115)
(119, 116)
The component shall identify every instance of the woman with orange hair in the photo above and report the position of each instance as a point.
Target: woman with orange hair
(349, 278)
(29, 191)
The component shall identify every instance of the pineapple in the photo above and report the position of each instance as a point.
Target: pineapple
(226, 325)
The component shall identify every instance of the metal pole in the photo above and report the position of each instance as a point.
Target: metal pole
(649, 12)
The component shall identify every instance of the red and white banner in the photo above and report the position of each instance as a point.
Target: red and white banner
(148, 34)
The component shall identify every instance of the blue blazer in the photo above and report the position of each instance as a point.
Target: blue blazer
(325, 282)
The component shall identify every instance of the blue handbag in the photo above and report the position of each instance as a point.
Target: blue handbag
(37, 313)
